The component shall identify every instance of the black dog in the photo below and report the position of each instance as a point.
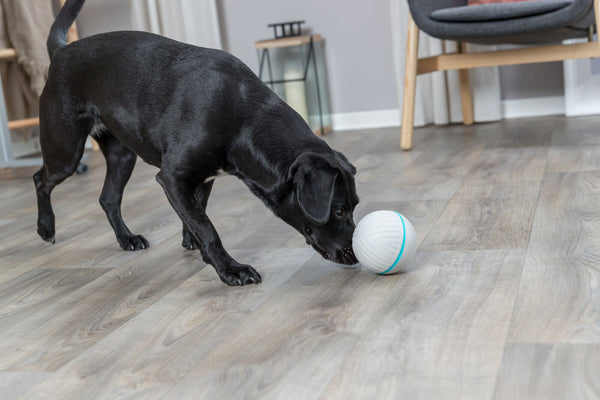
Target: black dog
(193, 113)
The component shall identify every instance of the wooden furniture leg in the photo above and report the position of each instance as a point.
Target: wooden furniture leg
(466, 97)
(410, 83)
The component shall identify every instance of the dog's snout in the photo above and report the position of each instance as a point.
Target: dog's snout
(346, 256)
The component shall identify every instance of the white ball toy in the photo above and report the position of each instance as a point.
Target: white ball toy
(385, 242)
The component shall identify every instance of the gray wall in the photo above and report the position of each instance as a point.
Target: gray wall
(99, 16)
(533, 80)
(358, 46)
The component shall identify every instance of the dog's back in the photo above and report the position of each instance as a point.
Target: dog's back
(145, 62)
(135, 82)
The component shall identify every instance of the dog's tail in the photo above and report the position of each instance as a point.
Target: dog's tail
(60, 28)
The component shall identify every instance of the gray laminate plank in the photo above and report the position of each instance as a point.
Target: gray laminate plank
(486, 216)
(580, 131)
(14, 384)
(50, 338)
(39, 288)
(559, 297)
(440, 333)
(153, 351)
(573, 158)
(532, 371)
(508, 165)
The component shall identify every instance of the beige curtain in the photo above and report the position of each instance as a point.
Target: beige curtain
(24, 26)
(190, 21)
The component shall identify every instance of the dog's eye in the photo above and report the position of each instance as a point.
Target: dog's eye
(339, 212)
(308, 231)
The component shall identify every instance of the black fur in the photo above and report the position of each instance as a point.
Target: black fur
(192, 112)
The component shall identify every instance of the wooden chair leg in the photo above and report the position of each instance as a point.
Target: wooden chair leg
(466, 97)
(410, 83)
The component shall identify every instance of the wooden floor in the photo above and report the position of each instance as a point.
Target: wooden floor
(503, 301)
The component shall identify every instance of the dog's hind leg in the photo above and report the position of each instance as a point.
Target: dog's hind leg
(119, 166)
(62, 148)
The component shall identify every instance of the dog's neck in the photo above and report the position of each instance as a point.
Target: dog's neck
(267, 173)
(272, 141)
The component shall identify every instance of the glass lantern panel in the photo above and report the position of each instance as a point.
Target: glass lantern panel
(299, 77)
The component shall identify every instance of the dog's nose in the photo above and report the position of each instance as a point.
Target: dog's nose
(347, 255)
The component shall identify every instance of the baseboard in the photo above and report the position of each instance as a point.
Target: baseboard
(518, 108)
(534, 107)
(365, 119)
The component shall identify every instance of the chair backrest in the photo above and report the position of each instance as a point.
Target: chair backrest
(570, 19)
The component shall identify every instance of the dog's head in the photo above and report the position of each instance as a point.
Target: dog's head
(320, 203)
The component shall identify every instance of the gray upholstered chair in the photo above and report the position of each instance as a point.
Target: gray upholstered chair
(530, 22)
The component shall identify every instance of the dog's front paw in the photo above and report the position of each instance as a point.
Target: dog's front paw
(239, 275)
(188, 242)
(133, 242)
(46, 234)
(46, 228)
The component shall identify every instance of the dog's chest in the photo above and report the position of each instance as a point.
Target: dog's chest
(220, 172)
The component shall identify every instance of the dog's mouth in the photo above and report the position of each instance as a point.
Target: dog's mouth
(344, 256)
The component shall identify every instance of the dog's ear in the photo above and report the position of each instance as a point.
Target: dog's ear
(346, 164)
(314, 182)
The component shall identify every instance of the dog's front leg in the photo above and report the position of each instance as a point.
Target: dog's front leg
(187, 198)
(188, 242)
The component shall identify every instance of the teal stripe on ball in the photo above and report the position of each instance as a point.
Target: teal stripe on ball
(401, 249)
